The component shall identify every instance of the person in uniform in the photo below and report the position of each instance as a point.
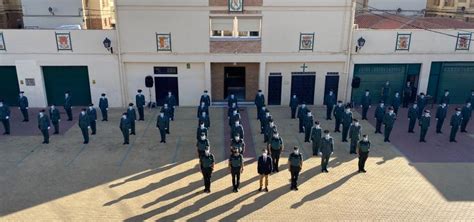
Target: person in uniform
(379, 114)
(365, 103)
(308, 124)
(275, 147)
(5, 117)
(354, 133)
(470, 98)
(338, 112)
(104, 107)
(231, 110)
(125, 128)
(171, 101)
(92, 113)
(236, 167)
(234, 117)
(386, 92)
(140, 101)
(316, 134)
(396, 102)
(346, 122)
(132, 117)
(330, 102)
(23, 106)
(407, 92)
(167, 111)
(389, 121)
(231, 100)
(263, 119)
(55, 118)
(162, 124)
(455, 123)
(264, 168)
(259, 102)
(421, 104)
(270, 128)
(302, 110)
(424, 123)
(412, 117)
(295, 164)
(200, 130)
(207, 162)
(294, 102)
(363, 148)
(445, 98)
(84, 125)
(237, 129)
(466, 113)
(44, 126)
(205, 119)
(441, 113)
(201, 109)
(238, 144)
(327, 149)
(202, 144)
(68, 105)
(205, 99)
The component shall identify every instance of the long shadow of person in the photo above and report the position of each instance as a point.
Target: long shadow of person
(143, 175)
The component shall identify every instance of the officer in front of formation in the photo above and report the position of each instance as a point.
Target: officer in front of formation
(455, 123)
(412, 117)
(259, 102)
(294, 102)
(275, 147)
(308, 124)
(346, 122)
(441, 113)
(205, 99)
(140, 101)
(68, 105)
(92, 113)
(200, 130)
(386, 92)
(363, 148)
(236, 167)
(202, 144)
(302, 110)
(316, 135)
(44, 126)
(327, 149)
(379, 115)
(365, 103)
(171, 101)
(201, 109)
(207, 162)
(167, 112)
(264, 169)
(445, 98)
(55, 118)
(389, 121)
(5, 117)
(466, 113)
(238, 144)
(330, 102)
(162, 123)
(424, 123)
(125, 128)
(132, 117)
(84, 125)
(104, 107)
(295, 163)
(338, 113)
(23, 106)
(422, 101)
(396, 102)
(354, 134)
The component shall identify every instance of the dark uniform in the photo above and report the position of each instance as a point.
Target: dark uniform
(445, 99)
(269, 131)
(125, 129)
(202, 108)
(441, 113)
(424, 125)
(308, 124)
(68, 107)
(167, 112)
(231, 101)
(316, 134)
(259, 102)
(396, 102)
(200, 131)
(466, 114)
(171, 101)
(455, 124)
(327, 147)
(23, 105)
(407, 92)
(201, 146)
(302, 111)
(385, 93)
(363, 148)
(275, 146)
(237, 145)
(329, 101)
(207, 166)
(104, 107)
(421, 104)
(5, 118)
(231, 109)
(346, 123)
(294, 102)
(470, 99)
(388, 121)
(234, 118)
(354, 134)
(92, 113)
(379, 115)
(206, 100)
(205, 119)
(43, 126)
(365, 102)
(55, 117)
(162, 124)
(263, 121)
(338, 113)
(296, 164)
(237, 130)
(84, 124)
(132, 117)
(412, 116)
(140, 101)
(236, 164)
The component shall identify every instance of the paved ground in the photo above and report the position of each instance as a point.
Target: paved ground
(105, 180)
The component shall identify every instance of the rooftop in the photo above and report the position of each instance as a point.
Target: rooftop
(390, 21)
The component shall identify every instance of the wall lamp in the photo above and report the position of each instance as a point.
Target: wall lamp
(360, 44)
(108, 45)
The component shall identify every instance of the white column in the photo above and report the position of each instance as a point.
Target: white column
(262, 78)
(207, 77)
(424, 77)
(36, 94)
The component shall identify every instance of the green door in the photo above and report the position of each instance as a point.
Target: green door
(374, 76)
(457, 77)
(9, 85)
(59, 79)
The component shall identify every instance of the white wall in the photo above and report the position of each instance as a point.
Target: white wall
(67, 12)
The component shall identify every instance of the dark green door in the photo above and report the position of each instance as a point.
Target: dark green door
(374, 76)
(9, 88)
(457, 77)
(59, 79)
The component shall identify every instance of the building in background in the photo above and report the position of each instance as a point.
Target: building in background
(10, 14)
(98, 14)
(459, 9)
(404, 7)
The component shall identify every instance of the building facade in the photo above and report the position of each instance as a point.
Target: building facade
(10, 14)
(459, 9)
(404, 7)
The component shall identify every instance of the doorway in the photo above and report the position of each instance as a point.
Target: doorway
(163, 85)
(234, 82)
(303, 85)
(274, 86)
(332, 82)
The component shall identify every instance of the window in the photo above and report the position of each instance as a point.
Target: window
(235, 27)
(222, 27)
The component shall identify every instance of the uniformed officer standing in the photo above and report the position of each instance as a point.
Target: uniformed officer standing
(445, 98)
(84, 125)
(236, 167)
(5, 117)
(264, 119)
(202, 108)
(200, 130)
(295, 164)
(205, 99)
(269, 130)
(455, 123)
(23, 106)
(412, 117)
(92, 113)
(407, 92)
(363, 148)
(424, 125)
(294, 102)
(327, 149)
(162, 124)
(104, 107)
(396, 102)
(441, 113)
(171, 101)
(466, 113)
(365, 103)
(132, 117)
(346, 123)
(140, 101)
(205, 119)
(68, 105)
(207, 162)
(471, 97)
(238, 144)
(44, 126)
(202, 144)
(264, 168)
(302, 112)
(125, 128)
(389, 121)
(231, 100)
(338, 113)
(379, 114)
(237, 129)
(259, 102)
(167, 111)
(316, 134)
(308, 124)
(231, 109)
(421, 104)
(275, 147)
(330, 102)
(55, 118)
(386, 92)
(354, 133)
(234, 117)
